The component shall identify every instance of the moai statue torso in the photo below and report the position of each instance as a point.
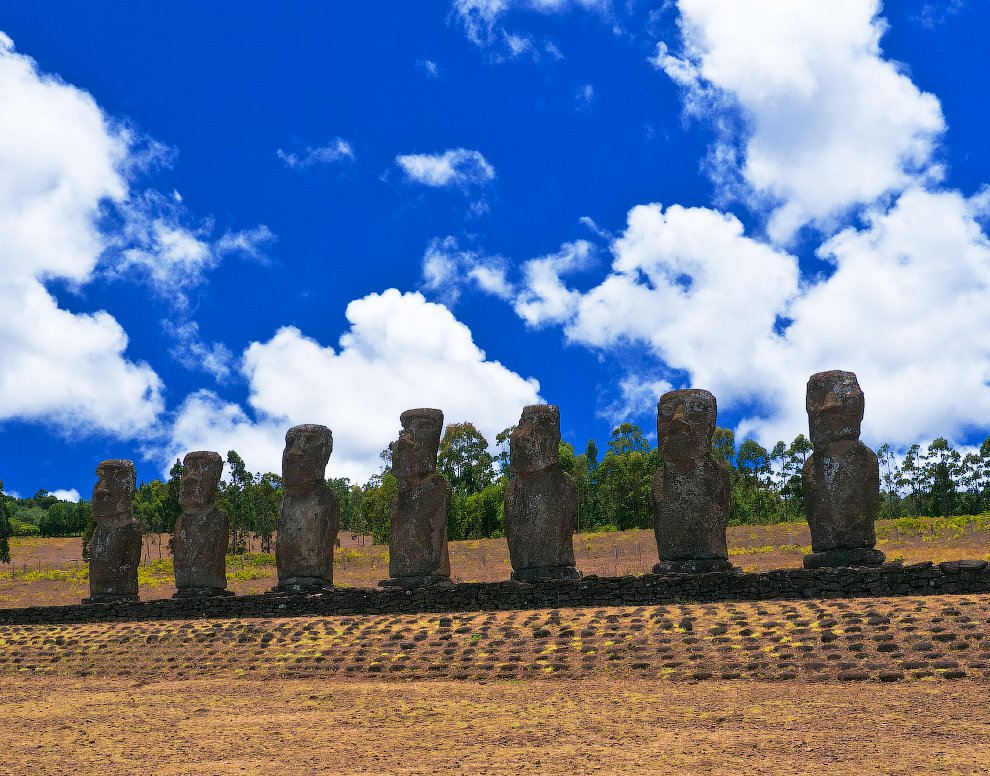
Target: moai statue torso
(841, 478)
(199, 544)
(417, 543)
(541, 501)
(691, 491)
(310, 513)
(115, 549)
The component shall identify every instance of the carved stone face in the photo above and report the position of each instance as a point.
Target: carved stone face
(414, 454)
(835, 405)
(685, 424)
(200, 477)
(114, 489)
(307, 450)
(534, 443)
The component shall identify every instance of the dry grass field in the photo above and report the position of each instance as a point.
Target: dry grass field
(50, 571)
(864, 686)
(896, 685)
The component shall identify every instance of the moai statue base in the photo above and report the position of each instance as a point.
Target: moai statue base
(115, 549)
(541, 501)
(841, 478)
(417, 544)
(199, 543)
(692, 495)
(310, 513)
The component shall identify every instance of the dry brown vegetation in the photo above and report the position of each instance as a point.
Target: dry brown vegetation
(302, 726)
(895, 685)
(884, 639)
(50, 571)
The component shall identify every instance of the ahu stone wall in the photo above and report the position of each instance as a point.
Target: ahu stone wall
(955, 577)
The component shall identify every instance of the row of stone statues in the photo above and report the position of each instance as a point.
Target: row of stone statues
(691, 495)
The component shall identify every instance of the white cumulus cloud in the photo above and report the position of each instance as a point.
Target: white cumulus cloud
(61, 161)
(66, 495)
(68, 214)
(812, 119)
(400, 351)
(454, 167)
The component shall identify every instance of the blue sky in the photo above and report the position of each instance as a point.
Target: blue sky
(220, 220)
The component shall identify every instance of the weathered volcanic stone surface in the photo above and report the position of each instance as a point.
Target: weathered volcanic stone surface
(115, 549)
(310, 513)
(199, 544)
(418, 518)
(841, 479)
(541, 501)
(691, 491)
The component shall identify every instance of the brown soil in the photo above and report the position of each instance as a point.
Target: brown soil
(360, 564)
(891, 685)
(303, 726)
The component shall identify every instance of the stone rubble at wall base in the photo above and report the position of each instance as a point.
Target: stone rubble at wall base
(952, 577)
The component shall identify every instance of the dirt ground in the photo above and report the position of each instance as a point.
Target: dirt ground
(50, 571)
(303, 726)
(863, 686)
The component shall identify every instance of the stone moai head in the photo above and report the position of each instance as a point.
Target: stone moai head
(307, 451)
(534, 443)
(685, 424)
(414, 454)
(835, 405)
(201, 472)
(114, 489)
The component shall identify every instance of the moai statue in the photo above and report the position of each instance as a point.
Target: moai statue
(115, 549)
(310, 513)
(199, 544)
(541, 501)
(841, 478)
(691, 491)
(417, 542)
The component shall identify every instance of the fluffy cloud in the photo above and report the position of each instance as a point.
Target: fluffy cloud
(193, 353)
(400, 351)
(455, 167)
(68, 214)
(335, 151)
(812, 119)
(151, 244)
(446, 267)
(905, 308)
(544, 298)
(61, 161)
(66, 495)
